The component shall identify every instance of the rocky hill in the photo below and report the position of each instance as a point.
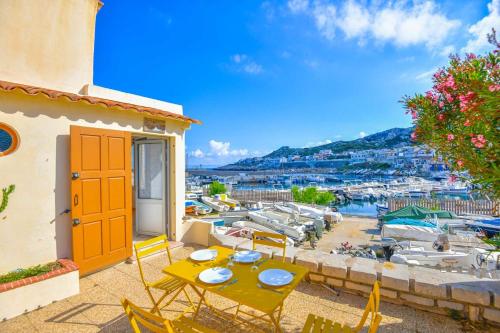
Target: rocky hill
(392, 138)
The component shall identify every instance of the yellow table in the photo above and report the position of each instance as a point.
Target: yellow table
(245, 291)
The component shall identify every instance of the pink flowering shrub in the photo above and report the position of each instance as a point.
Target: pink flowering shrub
(459, 116)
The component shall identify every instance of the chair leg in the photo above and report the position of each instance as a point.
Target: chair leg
(173, 297)
(155, 306)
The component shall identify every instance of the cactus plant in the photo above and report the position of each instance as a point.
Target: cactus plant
(5, 196)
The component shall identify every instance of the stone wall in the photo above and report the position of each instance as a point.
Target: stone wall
(418, 287)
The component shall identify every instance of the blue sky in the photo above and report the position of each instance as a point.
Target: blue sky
(263, 74)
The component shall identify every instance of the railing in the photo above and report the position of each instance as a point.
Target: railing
(459, 207)
(262, 195)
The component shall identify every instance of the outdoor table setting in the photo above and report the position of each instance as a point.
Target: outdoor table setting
(244, 277)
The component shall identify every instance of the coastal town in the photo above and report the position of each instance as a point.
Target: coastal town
(333, 166)
(401, 158)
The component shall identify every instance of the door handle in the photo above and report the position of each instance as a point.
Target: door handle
(75, 200)
(76, 222)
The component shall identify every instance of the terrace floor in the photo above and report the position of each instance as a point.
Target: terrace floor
(97, 308)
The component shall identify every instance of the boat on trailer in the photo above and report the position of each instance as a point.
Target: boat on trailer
(404, 228)
(295, 232)
(215, 204)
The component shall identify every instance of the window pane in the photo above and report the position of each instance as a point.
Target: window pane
(5, 140)
(150, 171)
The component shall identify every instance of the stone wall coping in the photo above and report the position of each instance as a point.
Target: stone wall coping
(419, 287)
(67, 267)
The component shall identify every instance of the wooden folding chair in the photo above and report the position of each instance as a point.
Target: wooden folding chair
(262, 238)
(169, 285)
(140, 317)
(318, 324)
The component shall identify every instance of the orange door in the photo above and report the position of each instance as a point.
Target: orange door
(101, 196)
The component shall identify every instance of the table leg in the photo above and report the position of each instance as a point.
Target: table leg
(276, 323)
(202, 300)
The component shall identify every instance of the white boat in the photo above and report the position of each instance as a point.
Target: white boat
(285, 209)
(307, 211)
(477, 258)
(215, 204)
(419, 256)
(358, 196)
(417, 193)
(249, 225)
(296, 232)
(422, 231)
(456, 188)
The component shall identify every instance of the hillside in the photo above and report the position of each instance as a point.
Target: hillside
(387, 139)
(392, 138)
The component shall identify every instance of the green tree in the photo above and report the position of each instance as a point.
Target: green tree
(216, 188)
(311, 195)
(324, 198)
(297, 194)
(459, 116)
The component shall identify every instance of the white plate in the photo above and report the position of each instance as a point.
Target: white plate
(215, 275)
(203, 255)
(275, 277)
(246, 256)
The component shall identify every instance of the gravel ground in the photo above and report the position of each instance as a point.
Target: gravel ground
(356, 230)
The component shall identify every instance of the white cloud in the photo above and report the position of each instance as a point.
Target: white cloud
(238, 58)
(243, 63)
(252, 68)
(198, 153)
(420, 24)
(311, 63)
(362, 134)
(325, 17)
(318, 143)
(425, 75)
(219, 148)
(297, 6)
(354, 19)
(479, 42)
(447, 50)
(239, 152)
(400, 22)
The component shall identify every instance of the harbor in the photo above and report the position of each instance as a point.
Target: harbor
(379, 220)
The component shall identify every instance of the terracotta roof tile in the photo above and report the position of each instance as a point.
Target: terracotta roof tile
(55, 94)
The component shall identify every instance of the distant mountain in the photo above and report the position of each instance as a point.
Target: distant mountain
(392, 138)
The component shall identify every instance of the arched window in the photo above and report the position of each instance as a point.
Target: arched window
(9, 140)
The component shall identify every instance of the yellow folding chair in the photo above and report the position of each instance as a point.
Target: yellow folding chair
(168, 284)
(262, 238)
(319, 324)
(139, 317)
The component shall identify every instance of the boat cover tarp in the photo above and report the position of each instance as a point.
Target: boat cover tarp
(401, 231)
(406, 221)
(418, 213)
(495, 222)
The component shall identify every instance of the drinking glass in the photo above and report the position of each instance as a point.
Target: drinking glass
(230, 262)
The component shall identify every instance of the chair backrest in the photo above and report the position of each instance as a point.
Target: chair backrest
(371, 310)
(152, 322)
(262, 238)
(150, 246)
